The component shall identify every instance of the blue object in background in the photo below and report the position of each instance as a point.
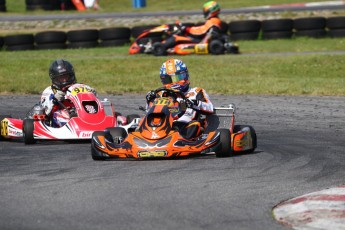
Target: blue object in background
(139, 3)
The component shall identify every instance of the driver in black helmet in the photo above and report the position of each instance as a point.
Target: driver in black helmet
(61, 72)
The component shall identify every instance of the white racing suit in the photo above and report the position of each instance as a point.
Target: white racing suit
(58, 116)
(188, 124)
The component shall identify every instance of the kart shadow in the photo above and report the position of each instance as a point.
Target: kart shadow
(195, 157)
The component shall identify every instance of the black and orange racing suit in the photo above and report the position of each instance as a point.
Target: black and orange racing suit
(193, 34)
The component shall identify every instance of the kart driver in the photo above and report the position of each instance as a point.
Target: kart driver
(174, 75)
(195, 34)
(61, 72)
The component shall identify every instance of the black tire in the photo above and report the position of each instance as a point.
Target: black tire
(3, 8)
(277, 35)
(159, 49)
(315, 23)
(39, 7)
(28, 132)
(20, 39)
(51, 46)
(115, 134)
(95, 153)
(2, 2)
(114, 33)
(237, 128)
(119, 42)
(78, 45)
(283, 24)
(224, 27)
(1, 42)
(20, 47)
(311, 33)
(131, 117)
(244, 26)
(82, 35)
(335, 22)
(224, 148)
(339, 33)
(216, 47)
(50, 37)
(35, 2)
(244, 36)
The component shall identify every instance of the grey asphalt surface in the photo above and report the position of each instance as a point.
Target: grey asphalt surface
(56, 185)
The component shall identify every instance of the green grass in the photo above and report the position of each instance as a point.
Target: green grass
(114, 71)
(18, 6)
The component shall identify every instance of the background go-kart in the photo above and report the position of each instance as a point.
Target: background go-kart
(56, 185)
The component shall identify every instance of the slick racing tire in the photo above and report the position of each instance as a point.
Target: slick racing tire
(224, 149)
(28, 132)
(95, 154)
(115, 134)
(216, 47)
(238, 128)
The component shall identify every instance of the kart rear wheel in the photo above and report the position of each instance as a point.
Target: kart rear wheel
(28, 131)
(238, 128)
(224, 150)
(216, 47)
(159, 49)
(115, 134)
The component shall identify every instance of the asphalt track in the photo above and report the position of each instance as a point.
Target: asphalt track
(56, 185)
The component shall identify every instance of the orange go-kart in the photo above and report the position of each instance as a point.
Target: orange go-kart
(156, 137)
(213, 42)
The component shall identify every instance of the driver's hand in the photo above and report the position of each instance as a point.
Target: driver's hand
(193, 104)
(150, 96)
(59, 95)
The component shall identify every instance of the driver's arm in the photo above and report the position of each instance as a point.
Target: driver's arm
(204, 103)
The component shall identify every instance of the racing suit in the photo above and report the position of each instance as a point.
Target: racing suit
(188, 123)
(194, 33)
(50, 99)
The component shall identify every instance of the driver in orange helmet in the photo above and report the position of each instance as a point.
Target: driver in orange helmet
(195, 34)
(174, 75)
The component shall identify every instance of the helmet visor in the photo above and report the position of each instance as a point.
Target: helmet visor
(168, 79)
(63, 80)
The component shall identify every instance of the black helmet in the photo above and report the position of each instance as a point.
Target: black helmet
(62, 74)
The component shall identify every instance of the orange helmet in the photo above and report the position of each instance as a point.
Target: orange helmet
(174, 74)
(211, 9)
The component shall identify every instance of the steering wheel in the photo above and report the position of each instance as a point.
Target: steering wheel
(166, 92)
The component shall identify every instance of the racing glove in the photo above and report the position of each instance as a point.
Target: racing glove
(150, 96)
(59, 95)
(193, 104)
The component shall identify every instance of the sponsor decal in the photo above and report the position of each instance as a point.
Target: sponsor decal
(154, 135)
(90, 109)
(85, 134)
(157, 153)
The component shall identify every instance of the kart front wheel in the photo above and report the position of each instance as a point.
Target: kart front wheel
(96, 154)
(224, 150)
(28, 131)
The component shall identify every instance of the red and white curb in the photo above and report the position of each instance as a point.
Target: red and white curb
(324, 209)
